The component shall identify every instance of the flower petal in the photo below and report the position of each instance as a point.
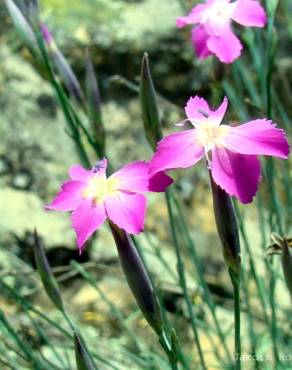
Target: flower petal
(235, 173)
(177, 150)
(193, 17)
(249, 13)
(159, 182)
(133, 177)
(258, 137)
(86, 219)
(127, 211)
(199, 41)
(198, 111)
(79, 173)
(225, 45)
(69, 197)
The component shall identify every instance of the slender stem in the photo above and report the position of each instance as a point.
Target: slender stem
(182, 280)
(168, 350)
(252, 334)
(235, 279)
(198, 265)
(270, 169)
(252, 264)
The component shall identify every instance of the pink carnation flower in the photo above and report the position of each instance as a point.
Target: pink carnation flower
(93, 197)
(233, 163)
(213, 33)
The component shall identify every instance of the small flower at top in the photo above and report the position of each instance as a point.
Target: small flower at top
(93, 197)
(233, 162)
(213, 33)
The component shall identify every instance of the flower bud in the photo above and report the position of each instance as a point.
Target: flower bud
(83, 359)
(149, 107)
(45, 272)
(93, 105)
(287, 263)
(226, 226)
(137, 278)
(283, 246)
(62, 66)
(22, 26)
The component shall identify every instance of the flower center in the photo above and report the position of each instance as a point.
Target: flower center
(99, 188)
(209, 134)
(218, 13)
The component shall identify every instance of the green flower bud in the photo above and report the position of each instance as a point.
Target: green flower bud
(149, 107)
(45, 272)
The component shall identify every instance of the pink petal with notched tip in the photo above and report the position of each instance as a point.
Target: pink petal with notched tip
(127, 211)
(199, 42)
(197, 110)
(159, 181)
(177, 150)
(86, 219)
(69, 197)
(249, 13)
(193, 17)
(235, 173)
(133, 177)
(226, 46)
(257, 137)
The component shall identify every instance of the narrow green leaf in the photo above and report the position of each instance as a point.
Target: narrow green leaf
(94, 106)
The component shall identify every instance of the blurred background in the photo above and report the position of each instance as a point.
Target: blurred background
(36, 152)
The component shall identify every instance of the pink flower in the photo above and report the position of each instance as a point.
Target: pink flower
(233, 163)
(213, 33)
(93, 197)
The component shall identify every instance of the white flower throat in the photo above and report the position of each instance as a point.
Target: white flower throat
(98, 188)
(209, 135)
(218, 13)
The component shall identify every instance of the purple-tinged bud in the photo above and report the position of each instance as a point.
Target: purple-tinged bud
(45, 272)
(226, 226)
(47, 36)
(62, 66)
(22, 26)
(94, 105)
(83, 359)
(149, 107)
(138, 279)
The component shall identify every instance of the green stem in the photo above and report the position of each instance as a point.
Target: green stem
(252, 264)
(168, 350)
(182, 280)
(270, 170)
(197, 263)
(252, 334)
(235, 279)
